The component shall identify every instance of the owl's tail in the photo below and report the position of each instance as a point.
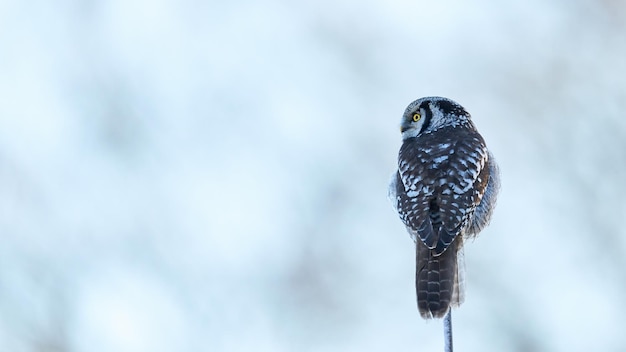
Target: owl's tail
(439, 279)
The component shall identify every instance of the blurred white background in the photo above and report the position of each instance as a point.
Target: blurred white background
(212, 176)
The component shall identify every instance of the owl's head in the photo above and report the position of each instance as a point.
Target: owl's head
(429, 114)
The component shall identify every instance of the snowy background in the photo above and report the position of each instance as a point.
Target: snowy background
(212, 176)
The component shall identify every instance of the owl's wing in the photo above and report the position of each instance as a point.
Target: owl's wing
(415, 190)
(462, 188)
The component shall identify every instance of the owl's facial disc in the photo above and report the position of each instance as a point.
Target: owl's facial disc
(413, 122)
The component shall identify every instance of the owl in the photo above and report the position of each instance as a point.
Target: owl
(444, 191)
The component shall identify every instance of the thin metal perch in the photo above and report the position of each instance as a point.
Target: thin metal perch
(447, 331)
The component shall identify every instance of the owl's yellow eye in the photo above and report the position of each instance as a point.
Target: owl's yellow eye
(417, 116)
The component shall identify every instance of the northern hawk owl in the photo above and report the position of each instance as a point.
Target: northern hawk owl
(444, 190)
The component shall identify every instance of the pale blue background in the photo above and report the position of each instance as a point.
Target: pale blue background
(212, 176)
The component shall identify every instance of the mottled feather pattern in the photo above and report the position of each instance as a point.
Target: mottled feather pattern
(436, 164)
